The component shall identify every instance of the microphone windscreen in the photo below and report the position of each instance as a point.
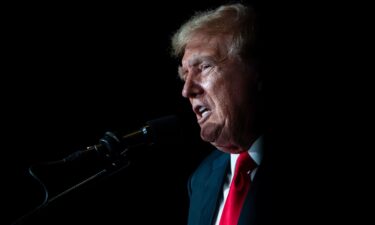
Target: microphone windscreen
(165, 130)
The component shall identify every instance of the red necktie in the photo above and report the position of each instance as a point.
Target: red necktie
(238, 190)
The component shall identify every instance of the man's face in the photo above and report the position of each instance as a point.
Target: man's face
(221, 89)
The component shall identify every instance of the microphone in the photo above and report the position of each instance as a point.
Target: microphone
(113, 145)
(113, 148)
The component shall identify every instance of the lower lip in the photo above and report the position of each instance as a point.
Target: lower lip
(204, 118)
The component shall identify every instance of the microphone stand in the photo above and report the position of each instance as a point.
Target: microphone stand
(108, 149)
(112, 148)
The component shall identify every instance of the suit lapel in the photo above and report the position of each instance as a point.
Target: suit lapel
(213, 188)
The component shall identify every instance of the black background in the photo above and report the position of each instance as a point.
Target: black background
(75, 70)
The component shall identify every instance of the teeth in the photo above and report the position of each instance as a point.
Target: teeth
(204, 113)
(202, 109)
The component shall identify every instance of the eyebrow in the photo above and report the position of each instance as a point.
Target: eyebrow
(197, 60)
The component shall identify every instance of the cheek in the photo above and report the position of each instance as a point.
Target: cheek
(222, 95)
(215, 89)
(233, 97)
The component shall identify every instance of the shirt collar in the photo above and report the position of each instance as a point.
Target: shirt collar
(255, 151)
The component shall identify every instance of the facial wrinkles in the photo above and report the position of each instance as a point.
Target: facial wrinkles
(231, 91)
(204, 47)
(203, 63)
(219, 94)
(222, 89)
(223, 95)
(206, 79)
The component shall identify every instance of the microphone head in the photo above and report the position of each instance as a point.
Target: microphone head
(162, 131)
(165, 130)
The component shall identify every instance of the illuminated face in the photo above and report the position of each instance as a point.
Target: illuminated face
(221, 89)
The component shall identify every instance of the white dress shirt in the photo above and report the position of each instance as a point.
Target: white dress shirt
(256, 153)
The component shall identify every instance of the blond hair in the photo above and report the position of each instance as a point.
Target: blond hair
(236, 20)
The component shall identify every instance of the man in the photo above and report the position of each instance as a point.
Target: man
(219, 69)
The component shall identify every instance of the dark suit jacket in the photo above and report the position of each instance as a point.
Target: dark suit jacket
(205, 190)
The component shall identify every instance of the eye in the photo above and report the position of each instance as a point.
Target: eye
(205, 66)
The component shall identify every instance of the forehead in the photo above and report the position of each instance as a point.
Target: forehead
(201, 46)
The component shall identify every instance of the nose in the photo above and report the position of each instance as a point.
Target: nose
(191, 88)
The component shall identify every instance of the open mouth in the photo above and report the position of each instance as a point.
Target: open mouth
(202, 113)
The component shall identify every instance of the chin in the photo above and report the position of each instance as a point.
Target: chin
(215, 135)
(210, 132)
(221, 148)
